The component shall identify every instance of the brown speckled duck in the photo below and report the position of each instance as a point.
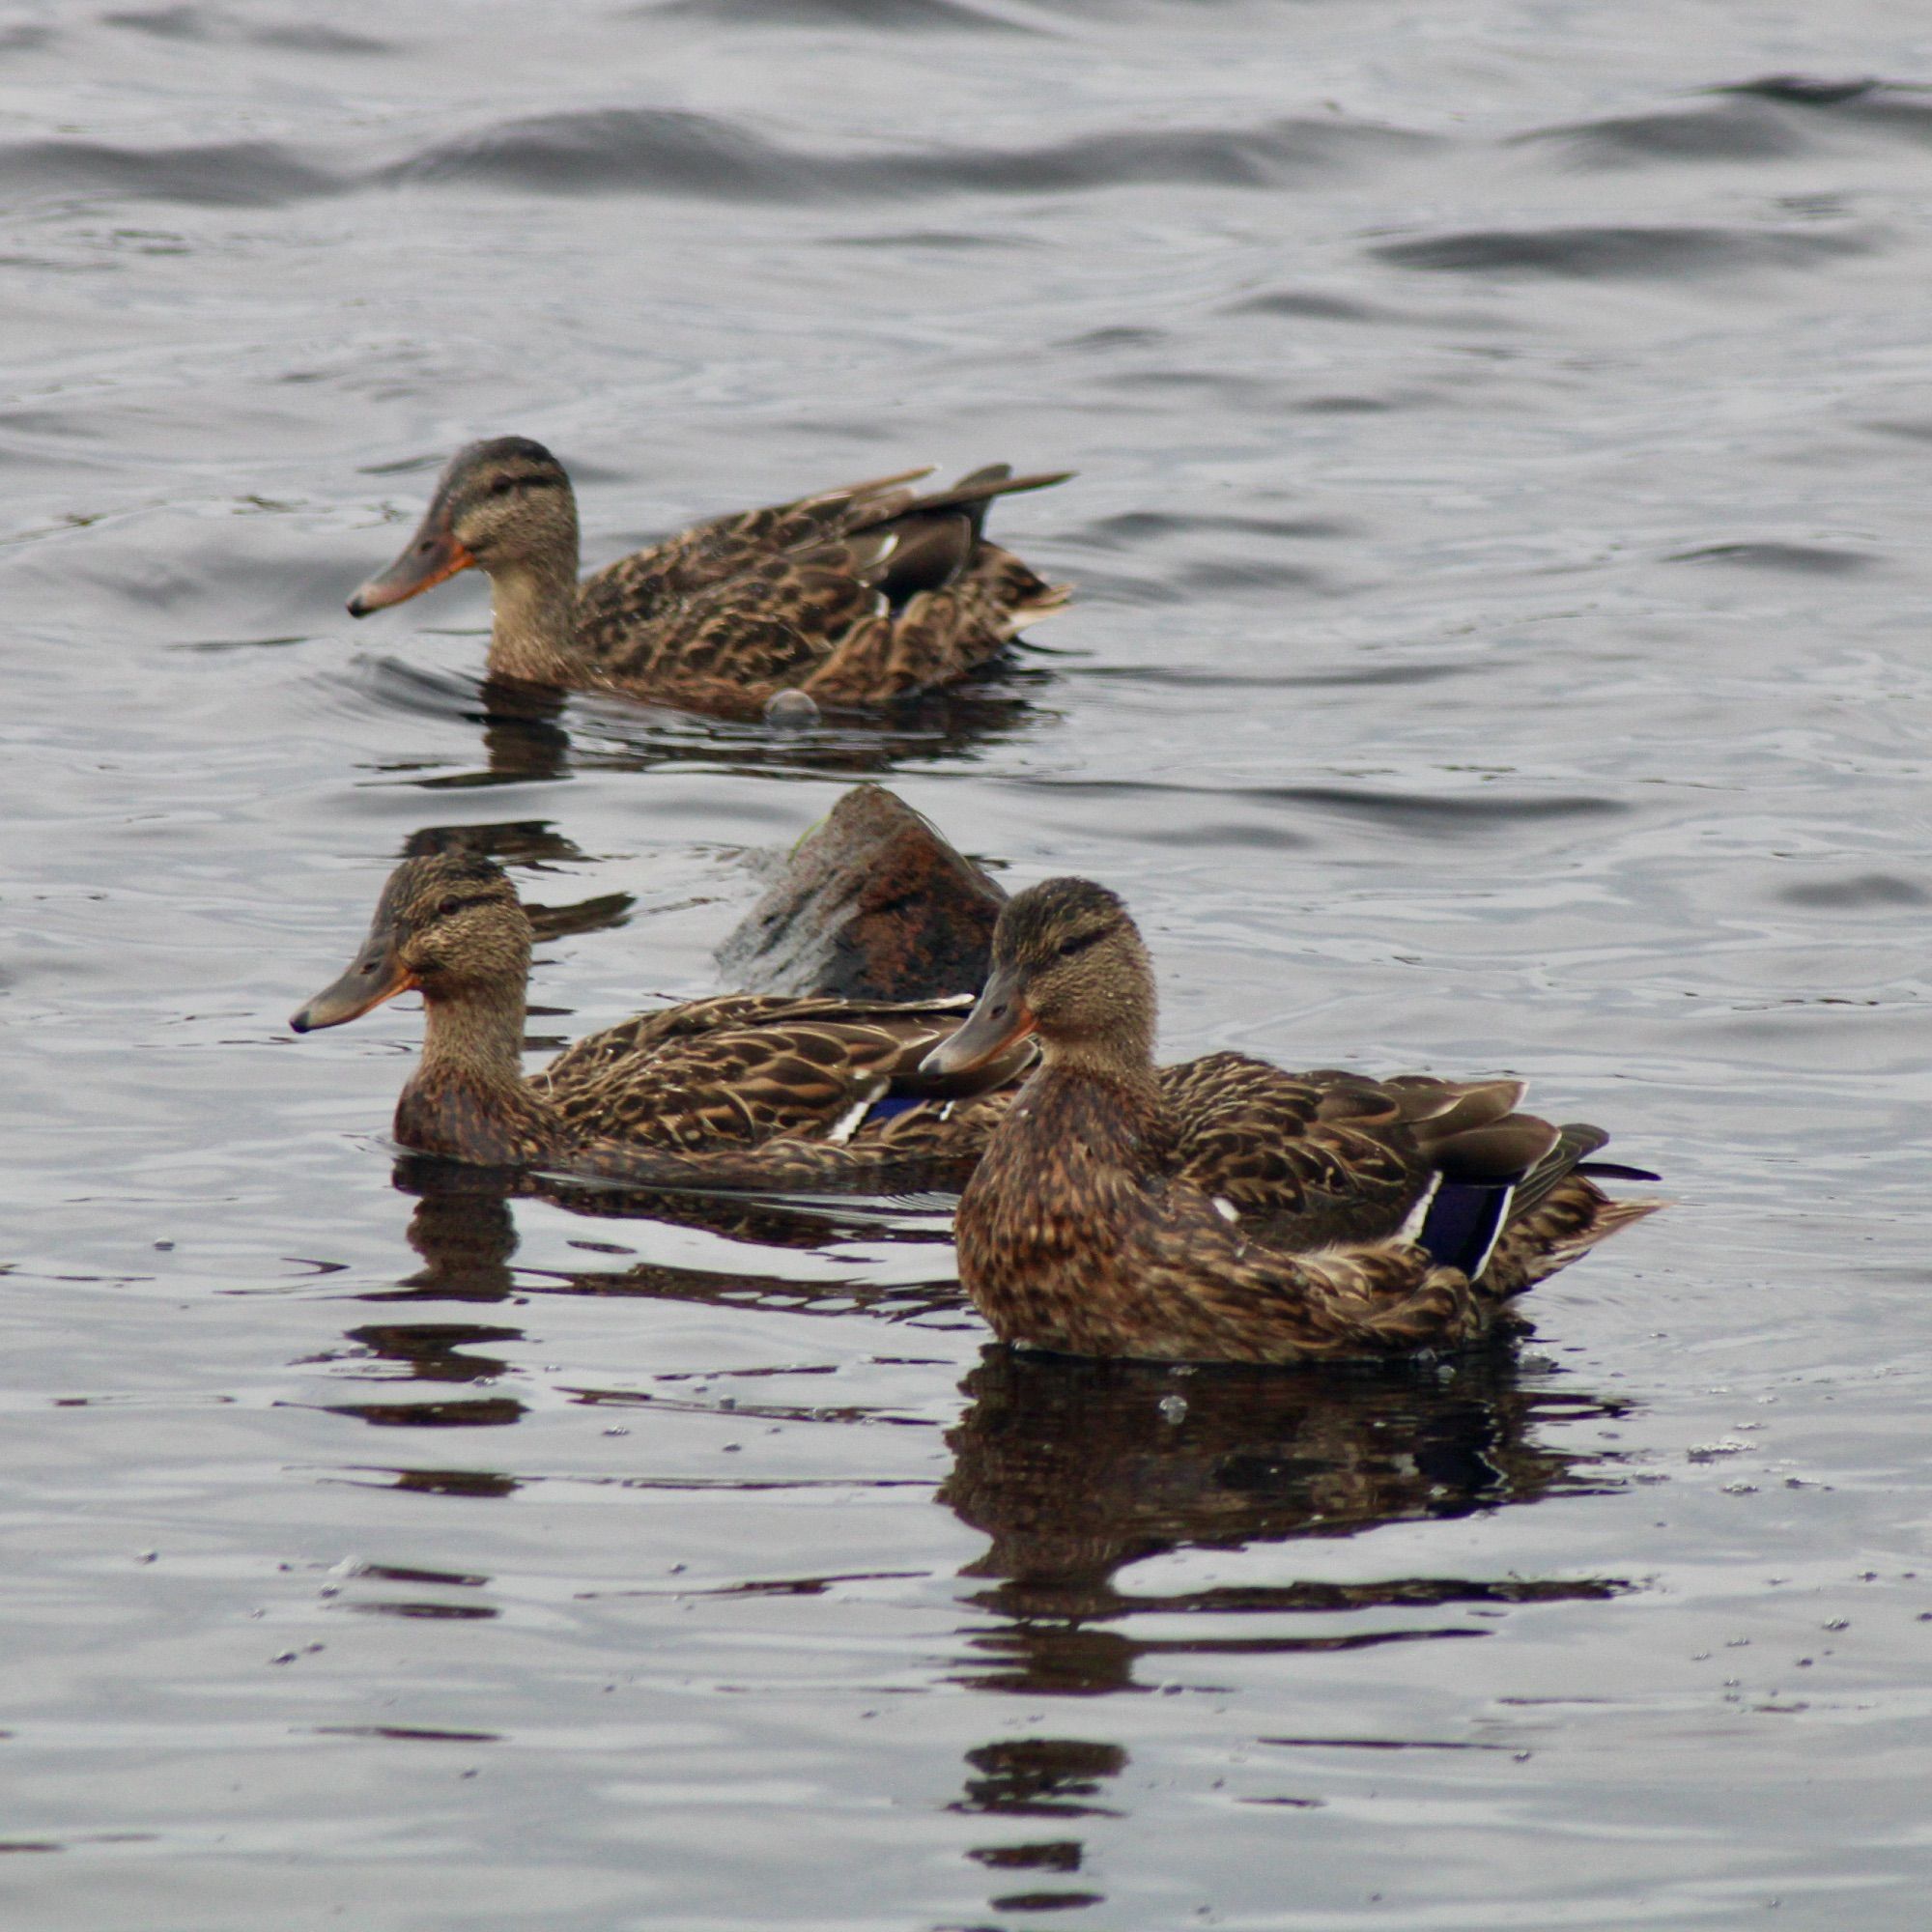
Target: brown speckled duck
(1223, 1211)
(744, 1090)
(852, 597)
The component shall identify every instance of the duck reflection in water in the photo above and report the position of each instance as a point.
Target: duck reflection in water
(1075, 1468)
(529, 735)
(464, 1227)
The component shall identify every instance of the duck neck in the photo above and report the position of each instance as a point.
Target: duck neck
(533, 614)
(1123, 1064)
(475, 1038)
(468, 1097)
(1109, 1097)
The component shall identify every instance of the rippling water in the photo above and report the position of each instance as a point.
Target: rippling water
(1500, 543)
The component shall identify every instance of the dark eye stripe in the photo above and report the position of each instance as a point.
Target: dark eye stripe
(450, 907)
(1080, 942)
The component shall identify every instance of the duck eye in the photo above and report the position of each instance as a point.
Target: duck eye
(503, 486)
(1079, 943)
(448, 908)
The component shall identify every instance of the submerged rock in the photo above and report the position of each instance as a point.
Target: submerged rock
(872, 905)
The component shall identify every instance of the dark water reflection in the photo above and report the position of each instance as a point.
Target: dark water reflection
(1076, 1470)
(527, 734)
(463, 1227)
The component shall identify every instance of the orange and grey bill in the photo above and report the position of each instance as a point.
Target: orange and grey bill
(378, 974)
(999, 1021)
(430, 556)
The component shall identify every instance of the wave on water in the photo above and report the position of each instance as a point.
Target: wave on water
(703, 158)
(1748, 120)
(1855, 891)
(1310, 305)
(1444, 814)
(618, 150)
(1805, 91)
(621, 150)
(1132, 530)
(233, 173)
(201, 23)
(1617, 252)
(1735, 130)
(1808, 559)
(887, 16)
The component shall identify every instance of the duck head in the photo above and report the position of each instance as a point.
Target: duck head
(500, 506)
(1068, 966)
(449, 924)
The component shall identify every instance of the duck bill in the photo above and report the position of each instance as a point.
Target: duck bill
(997, 1023)
(430, 557)
(378, 974)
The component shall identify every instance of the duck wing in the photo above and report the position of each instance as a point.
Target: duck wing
(744, 1069)
(872, 587)
(1296, 1158)
(1175, 1282)
(725, 547)
(729, 646)
(621, 609)
(938, 636)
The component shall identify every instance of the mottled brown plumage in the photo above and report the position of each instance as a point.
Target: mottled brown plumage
(741, 1090)
(1223, 1209)
(853, 596)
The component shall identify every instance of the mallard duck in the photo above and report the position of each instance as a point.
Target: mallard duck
(852, 597)
(1223, 1209)
(741, 1091)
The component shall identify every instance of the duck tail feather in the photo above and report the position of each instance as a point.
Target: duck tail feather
(1614, 1170)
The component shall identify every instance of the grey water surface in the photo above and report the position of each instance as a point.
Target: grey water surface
(1504, 431)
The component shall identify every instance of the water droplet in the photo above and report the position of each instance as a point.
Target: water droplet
(791, 710)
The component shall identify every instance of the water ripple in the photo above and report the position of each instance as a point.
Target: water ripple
(1809, 559)
(215, 174)
(1615, 251)
(1439, 815)
(199, 23)
(874, 17)
(1735, 130)
(616, 150)
(1755, 121)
